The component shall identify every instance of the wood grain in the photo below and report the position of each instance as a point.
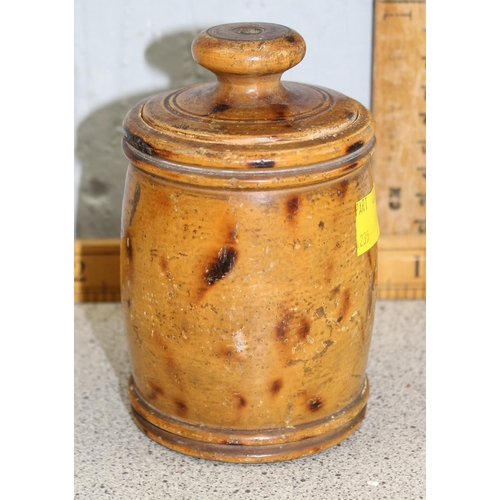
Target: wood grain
(398, 105)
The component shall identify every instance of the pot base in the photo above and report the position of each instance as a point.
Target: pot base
(248, 446)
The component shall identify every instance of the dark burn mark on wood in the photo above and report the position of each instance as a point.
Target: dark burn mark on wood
(232, 442)
(333, 293)
(156, 391)
(320, 312)
(261, 163)
(304, 328)
(220, 107)
(283, 326)
(135, 202)
(342, 189)
(290, 38)
(171, 369)
(221, 266)
(242, 402)
(352, 165)
(354, 147)
(138, 143)
(321, 225)
(315, 404)
(347, 301)
(280, 111)
(226, 353)
(276, 386)
(181, 407)
(346, 304)
(292, 206)
(163, 264)
(292, 327)
(129, 303)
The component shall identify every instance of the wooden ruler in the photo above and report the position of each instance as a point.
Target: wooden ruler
(399, 163)
(97, 270)
(398, 106)
(401, 266)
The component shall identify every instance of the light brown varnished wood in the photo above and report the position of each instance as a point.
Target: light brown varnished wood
(248, 311)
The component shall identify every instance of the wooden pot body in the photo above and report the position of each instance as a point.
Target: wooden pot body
(248, 309)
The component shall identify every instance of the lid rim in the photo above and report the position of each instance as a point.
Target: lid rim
(216, 143)
(250, 174)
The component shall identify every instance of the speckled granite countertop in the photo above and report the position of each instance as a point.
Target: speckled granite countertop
(384, 458)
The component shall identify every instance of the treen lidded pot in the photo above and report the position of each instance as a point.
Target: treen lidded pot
(248, 255)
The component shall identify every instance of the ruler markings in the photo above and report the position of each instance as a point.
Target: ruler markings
(398, 106)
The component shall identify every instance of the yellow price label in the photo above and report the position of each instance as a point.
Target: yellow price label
(367, 229)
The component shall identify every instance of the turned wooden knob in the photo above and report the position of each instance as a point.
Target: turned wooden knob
(249, 58)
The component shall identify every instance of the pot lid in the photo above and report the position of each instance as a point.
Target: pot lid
(249, 119)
